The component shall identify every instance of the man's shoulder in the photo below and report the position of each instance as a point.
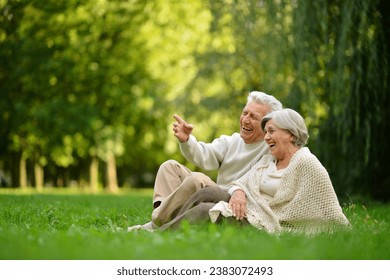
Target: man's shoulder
(235, 135)
(234, 138)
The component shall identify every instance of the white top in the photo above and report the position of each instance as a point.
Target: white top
(230, 155)
(270, 181)
(267, 182)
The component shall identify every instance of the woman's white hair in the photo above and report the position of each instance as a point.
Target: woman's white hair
(290, 120)
(265, 99)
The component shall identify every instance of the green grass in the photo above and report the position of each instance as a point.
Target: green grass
(84, 226)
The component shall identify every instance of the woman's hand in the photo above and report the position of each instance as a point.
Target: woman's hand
(238, 204)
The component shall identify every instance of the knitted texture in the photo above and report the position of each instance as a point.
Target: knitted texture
(304, 202)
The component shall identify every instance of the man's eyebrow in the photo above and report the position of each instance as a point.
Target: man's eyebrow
(252, 113)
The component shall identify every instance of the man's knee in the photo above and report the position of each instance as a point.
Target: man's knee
(168, 165)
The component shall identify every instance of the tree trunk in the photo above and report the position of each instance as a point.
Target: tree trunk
(94, 174)
(112, 181)
(39, 176)
(22, 173)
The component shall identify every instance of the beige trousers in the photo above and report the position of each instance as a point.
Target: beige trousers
(174, 184)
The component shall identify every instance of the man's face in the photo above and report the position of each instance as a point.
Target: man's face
(250, 130)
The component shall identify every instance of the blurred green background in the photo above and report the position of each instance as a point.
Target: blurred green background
(88, 88)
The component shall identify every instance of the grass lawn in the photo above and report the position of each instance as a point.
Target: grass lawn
(84, 226)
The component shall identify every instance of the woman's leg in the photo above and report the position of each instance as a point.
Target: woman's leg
(212, 194)
(196, 215)
(196, 208)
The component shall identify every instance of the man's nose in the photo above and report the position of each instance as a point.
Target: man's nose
(246, 118)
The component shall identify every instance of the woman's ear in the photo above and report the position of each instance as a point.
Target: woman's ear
(293, 138)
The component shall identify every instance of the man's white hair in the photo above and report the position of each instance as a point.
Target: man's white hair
(266, 99)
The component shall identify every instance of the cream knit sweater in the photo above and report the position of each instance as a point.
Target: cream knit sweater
(304, 202)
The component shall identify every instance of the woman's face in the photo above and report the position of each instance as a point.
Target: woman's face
(250, 130)
(280, 141)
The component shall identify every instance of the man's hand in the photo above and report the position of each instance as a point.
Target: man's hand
(181, 129)
(238, 204)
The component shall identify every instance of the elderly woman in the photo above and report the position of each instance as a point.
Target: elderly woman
(288, 189)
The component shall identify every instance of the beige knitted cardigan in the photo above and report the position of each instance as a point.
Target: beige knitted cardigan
(304, 202)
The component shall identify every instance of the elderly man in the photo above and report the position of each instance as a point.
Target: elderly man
(232, 156)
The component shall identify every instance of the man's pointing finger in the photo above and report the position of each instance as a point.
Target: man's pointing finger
(178, 119)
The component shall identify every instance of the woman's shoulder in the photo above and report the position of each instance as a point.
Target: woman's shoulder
(303, 154)
(306, 159)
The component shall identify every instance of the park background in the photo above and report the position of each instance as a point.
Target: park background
(87, 94)
(88, 88)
